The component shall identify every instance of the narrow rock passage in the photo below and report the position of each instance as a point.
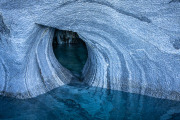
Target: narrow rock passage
(70, 51)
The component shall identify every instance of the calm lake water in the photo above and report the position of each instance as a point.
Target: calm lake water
(80, 102)
(72, 56)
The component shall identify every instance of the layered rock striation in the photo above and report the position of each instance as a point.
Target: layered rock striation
(133, 45)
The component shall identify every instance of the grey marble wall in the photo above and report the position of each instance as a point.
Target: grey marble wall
(133, 45)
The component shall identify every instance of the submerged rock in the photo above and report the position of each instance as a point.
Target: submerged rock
(132, 45)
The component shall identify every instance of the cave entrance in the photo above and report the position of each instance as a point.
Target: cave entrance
(70, 51)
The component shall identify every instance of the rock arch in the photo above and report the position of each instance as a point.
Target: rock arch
(127, 51)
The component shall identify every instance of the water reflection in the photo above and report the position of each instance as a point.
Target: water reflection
(70, 51)
(72, 56)
(79, 102)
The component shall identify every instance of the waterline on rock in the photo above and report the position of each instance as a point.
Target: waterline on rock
(79, 102)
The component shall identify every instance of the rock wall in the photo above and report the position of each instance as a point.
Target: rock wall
(133, 45)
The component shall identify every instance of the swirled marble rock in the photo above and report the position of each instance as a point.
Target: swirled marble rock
(133, 45)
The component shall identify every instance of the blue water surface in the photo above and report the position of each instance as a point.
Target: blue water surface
(80, 102)
(72, 56)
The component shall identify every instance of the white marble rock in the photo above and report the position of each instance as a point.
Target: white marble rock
(133, 45)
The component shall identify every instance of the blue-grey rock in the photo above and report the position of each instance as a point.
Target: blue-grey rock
(133, 45)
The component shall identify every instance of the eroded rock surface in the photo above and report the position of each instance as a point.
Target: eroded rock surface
(132, 45)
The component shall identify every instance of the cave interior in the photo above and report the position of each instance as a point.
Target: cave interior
(70, 50)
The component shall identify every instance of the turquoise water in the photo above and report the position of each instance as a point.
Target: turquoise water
(72, 56)
(80, 102)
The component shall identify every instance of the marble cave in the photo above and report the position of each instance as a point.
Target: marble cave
(90, 59)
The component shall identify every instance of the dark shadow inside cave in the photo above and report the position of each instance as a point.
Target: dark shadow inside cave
(70, 51)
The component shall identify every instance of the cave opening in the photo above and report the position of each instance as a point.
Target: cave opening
(70, 50)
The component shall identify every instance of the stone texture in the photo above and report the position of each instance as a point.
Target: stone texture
(133, 45)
